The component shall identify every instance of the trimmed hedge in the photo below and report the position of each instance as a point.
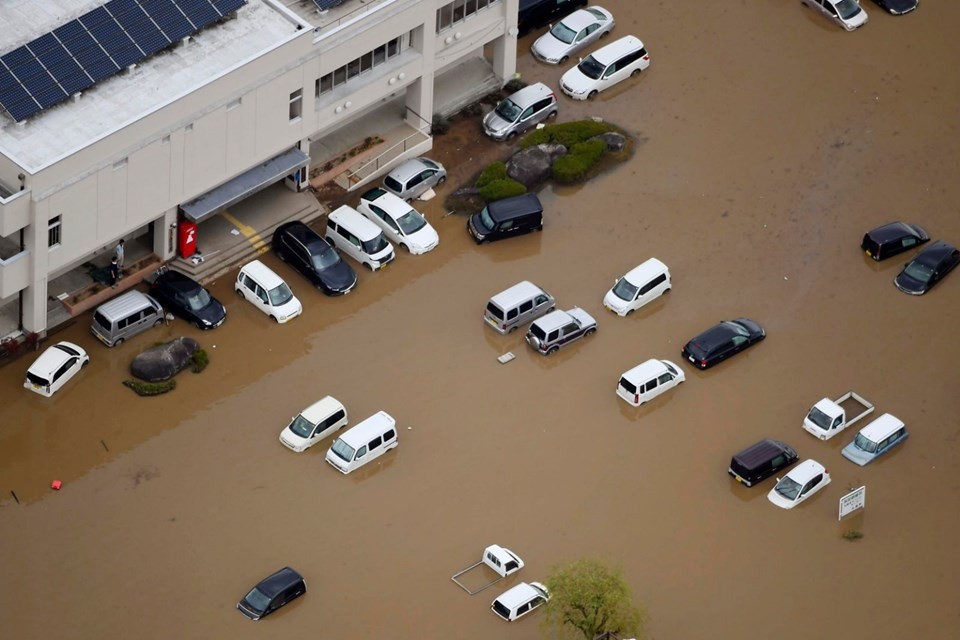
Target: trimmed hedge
(500, 189)
(199, 360)
(150, 388)
(566, 133)
(582, 157)
(496, 171)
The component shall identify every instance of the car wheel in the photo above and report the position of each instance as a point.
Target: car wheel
(442, 180)
(512, 329)
(604, 34)
(634, 72)
(552, 350)
(590, 332)
(158, 322)
(368, 266)
(274, 318)
(405, 247)
(564, 59)
(85, 363)
(280, 255)
(118, 342)
(239, 293)
(552, 115)
(592, 95)
(511, 136)
(630, 312)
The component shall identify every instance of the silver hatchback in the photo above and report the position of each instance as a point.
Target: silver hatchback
(414, 177)
(520, 111)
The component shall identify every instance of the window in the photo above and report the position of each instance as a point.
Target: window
(553, 336)
(458, 11)
(296, 105)
(650, 386)
(570, 329)
(665, 378)
(54, 232)
(388, 436)
(522, 609)
(512, 313)
(526, 306)
(361, 452)
(653, 283)
(376, 442)
(334, 419)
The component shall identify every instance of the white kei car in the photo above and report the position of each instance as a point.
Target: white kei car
(847, 13)
(55, 367)
(800, 483)
(640, 285)
(313, 424)
(401, 223)
(520, 600)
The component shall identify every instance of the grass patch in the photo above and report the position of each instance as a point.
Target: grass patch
(199, 360)
(150, 388)
(574, 166)
(566, 133)
(853, 534)
(500, 189)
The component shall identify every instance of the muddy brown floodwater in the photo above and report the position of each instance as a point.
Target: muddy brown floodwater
(770, 140)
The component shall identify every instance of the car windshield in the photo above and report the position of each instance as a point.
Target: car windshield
(624, 290)
(819, 418)
(864, 443)
(919, 271)
(257, 600)
(508, 110)
(280, 294)
(788, 488)
(563, 33)
(324, 258)
(302, 427)
(486, 220)
(847, 8)
(590, 67)
(378, 244)
(670, 369)
(343, 450)
(740, 329)
(411, 222)
(198, 299)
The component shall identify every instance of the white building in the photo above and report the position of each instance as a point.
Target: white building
(241, 104)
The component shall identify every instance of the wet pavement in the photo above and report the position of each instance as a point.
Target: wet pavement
(769, 141)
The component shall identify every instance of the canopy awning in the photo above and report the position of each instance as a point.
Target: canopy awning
(245, 185)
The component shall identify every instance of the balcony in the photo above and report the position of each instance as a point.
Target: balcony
(14, 212)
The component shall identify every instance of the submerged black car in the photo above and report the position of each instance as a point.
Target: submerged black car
(722, 341)
(271, 593)
(306, 251)
(928, 268)
(897, 7)
(891, 239)
(185, 297)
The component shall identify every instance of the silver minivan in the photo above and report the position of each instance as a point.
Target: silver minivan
(125, 316)
(518, 305)
(520, 111)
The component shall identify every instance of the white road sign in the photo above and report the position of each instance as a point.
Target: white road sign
(854, 500)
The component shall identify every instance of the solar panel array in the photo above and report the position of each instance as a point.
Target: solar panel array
(98, 44)
(323, 5)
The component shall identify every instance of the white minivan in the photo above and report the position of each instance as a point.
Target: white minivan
(359, 238)
(365, 442)
(267, 291)
(648, 380)
(638, 287)
(605, 67)
(313, 424)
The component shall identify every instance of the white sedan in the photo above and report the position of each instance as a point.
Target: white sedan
(572, 34)
(402, 224)
(55, 367)
(800, 483)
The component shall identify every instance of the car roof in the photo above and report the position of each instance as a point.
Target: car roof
(408, 169)
(639, 275)
(805, 470)
(274, 584)
(506, 208)
(516, 294)
(53, 358)
(503, 554)
(645, 370)
(355, 221)
(760, 452)
(389, 202)
(530, 94)
(321, 409)
(553, 320)
(881, 427)
(715, 335)
(609, 53)
(127, 303)
(935, 252)
(891, 231)
(516, 596)
(579, 19)
(361, 434)
(300, 231)
(263, 274)
(178, 281)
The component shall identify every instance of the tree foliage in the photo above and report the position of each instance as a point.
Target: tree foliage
(588, 598)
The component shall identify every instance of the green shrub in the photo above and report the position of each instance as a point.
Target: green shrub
(150, 388)
(496, 171)
(853, 534)
(575, 165)
(199, 360)
(440, 125)
(513, 86)
(566, 133)
(473, 110)
(502, 188)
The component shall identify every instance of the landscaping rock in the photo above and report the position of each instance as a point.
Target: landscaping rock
(531, 166)
(614, 141)
(164, 361)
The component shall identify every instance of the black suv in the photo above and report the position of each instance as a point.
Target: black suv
(891, 239)
(306, 251)
(185, 297)
(760, 461)
(271, 593)
(722, 341)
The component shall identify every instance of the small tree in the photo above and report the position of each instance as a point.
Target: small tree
(587, 598)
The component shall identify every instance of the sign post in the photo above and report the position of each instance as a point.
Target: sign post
(854, 500)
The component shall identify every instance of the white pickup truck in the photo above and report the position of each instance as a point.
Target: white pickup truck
(828, 417)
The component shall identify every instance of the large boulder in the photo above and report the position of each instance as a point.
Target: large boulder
(531, 166)
(614, 141)
(164, 361)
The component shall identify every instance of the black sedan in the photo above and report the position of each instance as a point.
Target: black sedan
(928, 268)
(897, 7)
(893, 238)
(303, 249)
(722, 341)
(185, 297)
(271, 593)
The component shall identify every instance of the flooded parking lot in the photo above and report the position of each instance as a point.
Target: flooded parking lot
(768, 142)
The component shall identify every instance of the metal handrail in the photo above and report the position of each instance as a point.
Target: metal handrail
(376, 161)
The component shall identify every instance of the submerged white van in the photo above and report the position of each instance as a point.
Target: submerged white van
(639, 286)
(605, 67)
(267, 291)
(648, 380)
(367, 441)
(359, 238)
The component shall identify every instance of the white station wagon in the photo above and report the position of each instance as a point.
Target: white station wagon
(520, 600)
(402, 224)
(800, 483)
(313, 424)
(55, 367)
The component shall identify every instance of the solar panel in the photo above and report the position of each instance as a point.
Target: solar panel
(323, 5)
(76, 55)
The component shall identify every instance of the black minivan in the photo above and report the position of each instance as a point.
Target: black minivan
(507, 218)
(761, 460)
(536, 13)
(271, 593)
(890, 239)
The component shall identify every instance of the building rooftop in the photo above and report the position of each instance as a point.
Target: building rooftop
(115, 102)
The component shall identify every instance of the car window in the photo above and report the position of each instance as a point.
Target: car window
(392, 183)
(650, 386)
(664, 378)
(512, 313)
(63, 369)
(813, 483)
(526, 306)
(522, 609)
(629, 386)
(540, 300)
(388, 436)
(570, 329)
(508, 110)
(778, 461)
(837, 421)
(553, 335)
(738, 340)
(610, 70)
(526, 113)
(334, 419)
(354, 240)
(376, 442)
(647, 288)
(543, 104)
(362, 451)
(262, 294)
(909, 241)
(506, 225)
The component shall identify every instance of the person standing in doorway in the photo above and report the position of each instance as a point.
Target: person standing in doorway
(114, 272)
(118, 257)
